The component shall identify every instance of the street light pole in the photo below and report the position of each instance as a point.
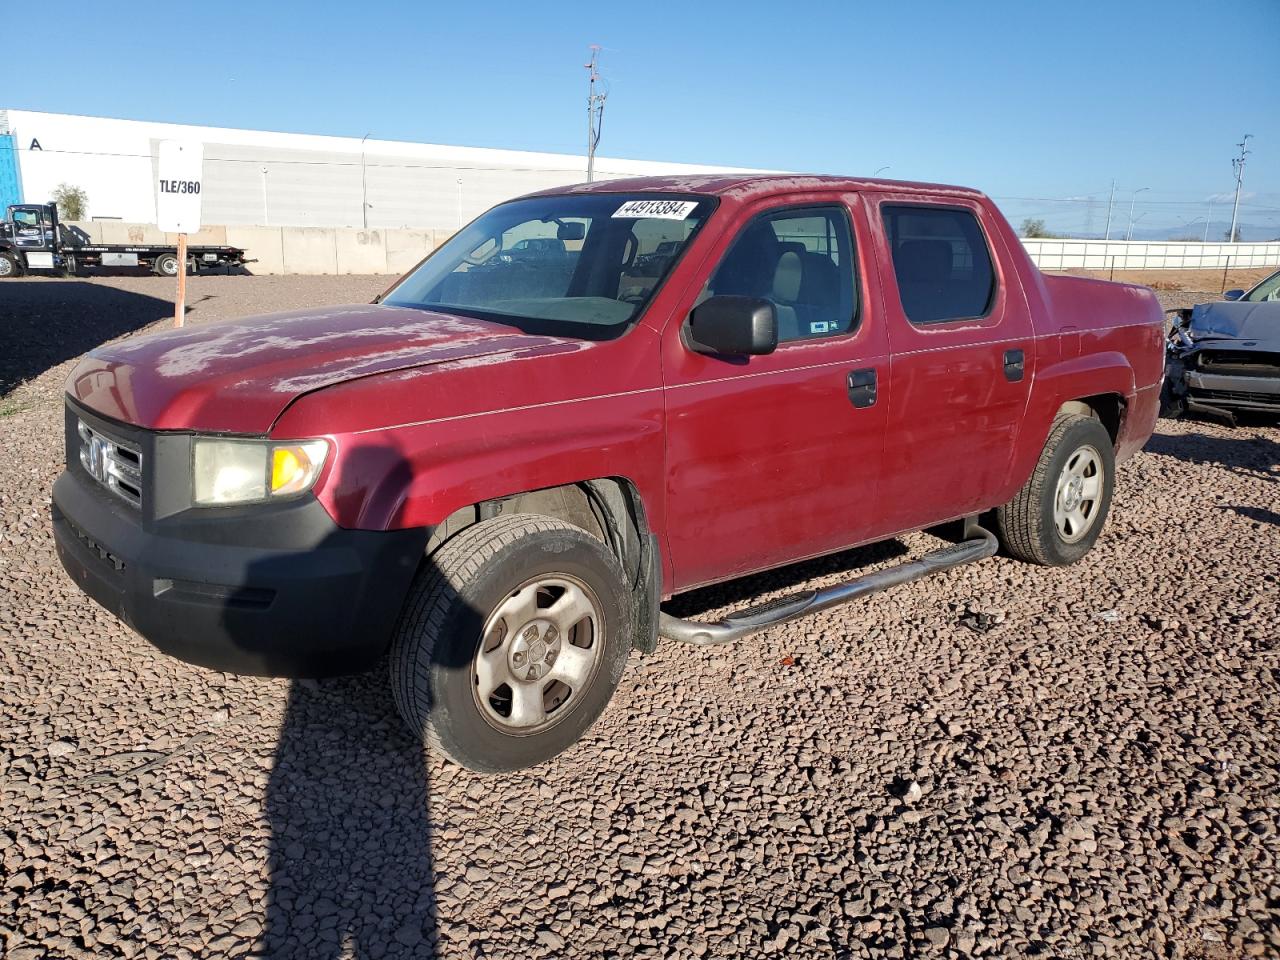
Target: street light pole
(1110, 203)
(1129, 233)
(881, 170)
(1208, 220)
(266, 215)
(364, 187)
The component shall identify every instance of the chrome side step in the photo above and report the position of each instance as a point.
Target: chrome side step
(978, 545)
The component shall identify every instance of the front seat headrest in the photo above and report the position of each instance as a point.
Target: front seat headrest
(788, 276)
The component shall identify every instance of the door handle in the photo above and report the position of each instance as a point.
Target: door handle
(1014, 365)
(862, 387)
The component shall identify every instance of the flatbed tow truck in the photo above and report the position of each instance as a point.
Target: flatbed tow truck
(33, 238)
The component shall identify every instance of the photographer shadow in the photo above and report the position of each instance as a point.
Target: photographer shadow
(351, 870)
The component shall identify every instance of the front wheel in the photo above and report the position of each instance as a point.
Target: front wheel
(1056, 517)
(9, 266)
(512, 640)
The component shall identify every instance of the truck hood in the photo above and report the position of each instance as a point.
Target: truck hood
(1235, 320)
(239, 376)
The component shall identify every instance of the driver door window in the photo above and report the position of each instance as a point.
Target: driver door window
(802, 261)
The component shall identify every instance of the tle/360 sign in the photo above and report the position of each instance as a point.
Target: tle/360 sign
(179, 173)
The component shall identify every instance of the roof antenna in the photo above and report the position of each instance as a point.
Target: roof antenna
(595, 111)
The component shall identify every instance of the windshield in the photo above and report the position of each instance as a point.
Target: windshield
(584, 265)
(1265, 292)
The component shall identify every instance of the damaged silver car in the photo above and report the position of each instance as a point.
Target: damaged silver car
(1224, 357)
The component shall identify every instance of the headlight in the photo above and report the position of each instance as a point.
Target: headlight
(242, 471)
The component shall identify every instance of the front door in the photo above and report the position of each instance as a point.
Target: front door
(33, 235)
(775, 458)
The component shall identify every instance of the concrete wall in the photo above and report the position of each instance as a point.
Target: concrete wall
(1149, 254)
(297, 250)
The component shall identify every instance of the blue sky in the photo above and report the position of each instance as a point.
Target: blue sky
(1020, 98)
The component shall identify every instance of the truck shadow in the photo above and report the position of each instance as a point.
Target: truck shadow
(1253, 456)
(45, 322)
(1259, 515)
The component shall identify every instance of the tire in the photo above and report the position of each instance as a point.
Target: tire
(166, 265)
(1172, 407)
(1030, 527)
(9, 266)
(473, 595)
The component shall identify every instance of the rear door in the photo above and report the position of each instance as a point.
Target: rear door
(774, 458)
(962, 343)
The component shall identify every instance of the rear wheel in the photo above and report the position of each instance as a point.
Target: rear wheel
(9, 266)
(166, 265)
(511, 642)
(1056, 517)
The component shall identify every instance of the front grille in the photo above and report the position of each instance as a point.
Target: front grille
(114, 464)
(1240, 363)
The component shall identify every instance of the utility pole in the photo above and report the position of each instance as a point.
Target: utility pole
(1208, 220)
(595, 111)
(1238, 164)
(1110, 203)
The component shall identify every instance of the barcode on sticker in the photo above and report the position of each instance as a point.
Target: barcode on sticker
(656, 209)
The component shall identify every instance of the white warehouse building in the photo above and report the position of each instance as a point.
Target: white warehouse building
(254, 177)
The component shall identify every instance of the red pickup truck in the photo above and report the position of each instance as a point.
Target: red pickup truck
(497, 471)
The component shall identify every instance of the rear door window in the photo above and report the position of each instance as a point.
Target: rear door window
(941, 262)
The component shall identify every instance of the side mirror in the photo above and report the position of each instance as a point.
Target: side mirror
(1233, 295)
(733, 326)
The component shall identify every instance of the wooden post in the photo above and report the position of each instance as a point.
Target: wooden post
(180, 305)
(1224, 274)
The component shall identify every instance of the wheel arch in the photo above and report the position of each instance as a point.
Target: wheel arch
(1109, 408)
(609, 508)
(1099, 385)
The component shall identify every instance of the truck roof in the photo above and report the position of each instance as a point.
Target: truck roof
(747, 186)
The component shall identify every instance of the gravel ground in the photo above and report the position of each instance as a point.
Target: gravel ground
(1001, 761)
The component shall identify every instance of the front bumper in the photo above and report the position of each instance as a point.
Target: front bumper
(273, 590)
(1237, 392)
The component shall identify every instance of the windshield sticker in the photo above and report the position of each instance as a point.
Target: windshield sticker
(656, 209)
